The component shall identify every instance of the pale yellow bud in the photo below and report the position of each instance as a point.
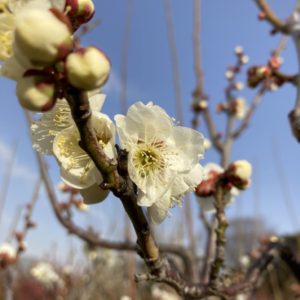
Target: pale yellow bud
(35, 94)
(238, 50)
(79, 11)
(245, 59)
(87, 69)
(41, 37)
(242, 169)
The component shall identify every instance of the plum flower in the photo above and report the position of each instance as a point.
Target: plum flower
(45, 274)
(10, 10)
(162, 157)
(55, 133)
(206, 189)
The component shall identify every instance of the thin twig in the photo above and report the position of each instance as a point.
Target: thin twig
(271, 17)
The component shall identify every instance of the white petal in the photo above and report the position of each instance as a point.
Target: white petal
(76, 166)
(190, 146)
(127, 131)
(42, 141)
(143, 122)
(51, 123)
(194, 177)
(93, 194)
(158, 211)
(12, 69)
(97, 101)
(78, 178)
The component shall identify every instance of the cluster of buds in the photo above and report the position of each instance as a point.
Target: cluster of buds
(242, 59)
(74, 200)
(237, 175)
(236, 107)
(79, 11)
(54, 62)
(267, 74)
(8, 255)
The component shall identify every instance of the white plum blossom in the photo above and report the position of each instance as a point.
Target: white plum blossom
(11, 10)
(45, 274)
(55, 133)
(163, 159)
(206, 188)
(51, 123)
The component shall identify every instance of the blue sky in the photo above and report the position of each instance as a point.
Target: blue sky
(225, 24)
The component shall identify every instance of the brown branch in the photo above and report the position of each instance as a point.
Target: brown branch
(220, 235)
(271, 17)
(209, 251)
(199, 93)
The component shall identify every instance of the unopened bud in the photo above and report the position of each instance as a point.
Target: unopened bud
(79, 11)
(43, 36)
(87, 68)
(238, 108)
(35, 93)
(229, 74)
(239, 174)
(239, 86)
(245, 59)
(238, 50)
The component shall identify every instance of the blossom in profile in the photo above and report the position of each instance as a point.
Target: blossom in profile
(206, 190)
(55, 133)
(163, 159)
(45, 274)
(7, 255)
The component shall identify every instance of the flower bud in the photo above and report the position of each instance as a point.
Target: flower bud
(239, 174)
(87, 68)
(7, 255)
(43, 36)
(79, 11)
(35, 93)
(239, 108)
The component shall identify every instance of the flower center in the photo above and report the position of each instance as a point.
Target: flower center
(7, 21)
(62, 117)
(147, 159)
